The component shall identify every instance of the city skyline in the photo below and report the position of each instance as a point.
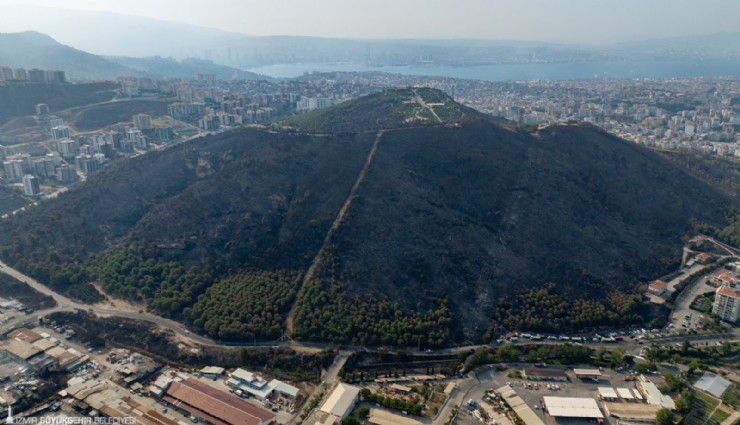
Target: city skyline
(572, 22)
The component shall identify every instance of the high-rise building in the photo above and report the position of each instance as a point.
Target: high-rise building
(55, 121)
(87, 164)
(66, 174)
(44, 167)
(21, 74)
(142, 121)
(69, 148)
(6, 73)
(13, 169)
(31, 185)
(206, 77)
(37, 75)
(310, 103)
(53, 76)
(727, 302)
(60, 132)
(138, 139)
(165, 133)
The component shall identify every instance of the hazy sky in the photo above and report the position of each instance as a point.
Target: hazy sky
(579, 21)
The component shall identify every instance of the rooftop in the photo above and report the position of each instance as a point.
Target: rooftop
(24, 334)
(572, 407)
(519, 406)
(217, 406)
(729, 292)
(21, 349)
(545, 372)
(607, 392)
(625, 393)
(212, 370)
(654, 395)
(587, 372)
(713, 384)
(340, 400)
(638, 412)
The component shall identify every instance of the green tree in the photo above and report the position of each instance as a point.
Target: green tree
(351, 420)
(685, 401)
(617, 356)
(509, 352)
(645, 367)
(363, 412)
(365, 393)
(665, 417)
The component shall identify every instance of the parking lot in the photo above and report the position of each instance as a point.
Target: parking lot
(532, 392)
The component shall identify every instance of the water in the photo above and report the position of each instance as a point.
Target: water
(528, 71)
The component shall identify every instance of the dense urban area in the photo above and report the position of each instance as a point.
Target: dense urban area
(64, 359)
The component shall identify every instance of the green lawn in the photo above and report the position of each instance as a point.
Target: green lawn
(705, 405)
(719, 416)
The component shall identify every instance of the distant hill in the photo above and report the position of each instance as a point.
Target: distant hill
(35, 50)
(186, 68)
(112, 34)
(434, 225)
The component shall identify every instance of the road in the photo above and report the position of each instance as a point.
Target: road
(66, 304)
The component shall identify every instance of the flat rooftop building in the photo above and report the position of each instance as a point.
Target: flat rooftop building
(543, 374)
(572, 407)
(632, 412)
(594, 374)
(607, 393)
(25, 335)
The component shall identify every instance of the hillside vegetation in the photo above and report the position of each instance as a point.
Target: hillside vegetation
(19, 99)
(456, 228)
(101, 116)
(395, 108)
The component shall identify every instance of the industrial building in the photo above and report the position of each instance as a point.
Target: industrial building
(113, 401)
(592, 374)
(212, 372)
(252, 384)
(572, 407)
(543, 374)
(519, 406)
(654, 396)
(632, 412)
(214, 406)
(607, 394)
(341, 401)
(42, 352)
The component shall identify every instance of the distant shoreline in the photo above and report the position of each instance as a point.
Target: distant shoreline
(527, 71)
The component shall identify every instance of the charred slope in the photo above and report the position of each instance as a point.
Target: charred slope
(475, 214)
(465, 223)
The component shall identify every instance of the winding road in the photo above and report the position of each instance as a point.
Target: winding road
(66, 304)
